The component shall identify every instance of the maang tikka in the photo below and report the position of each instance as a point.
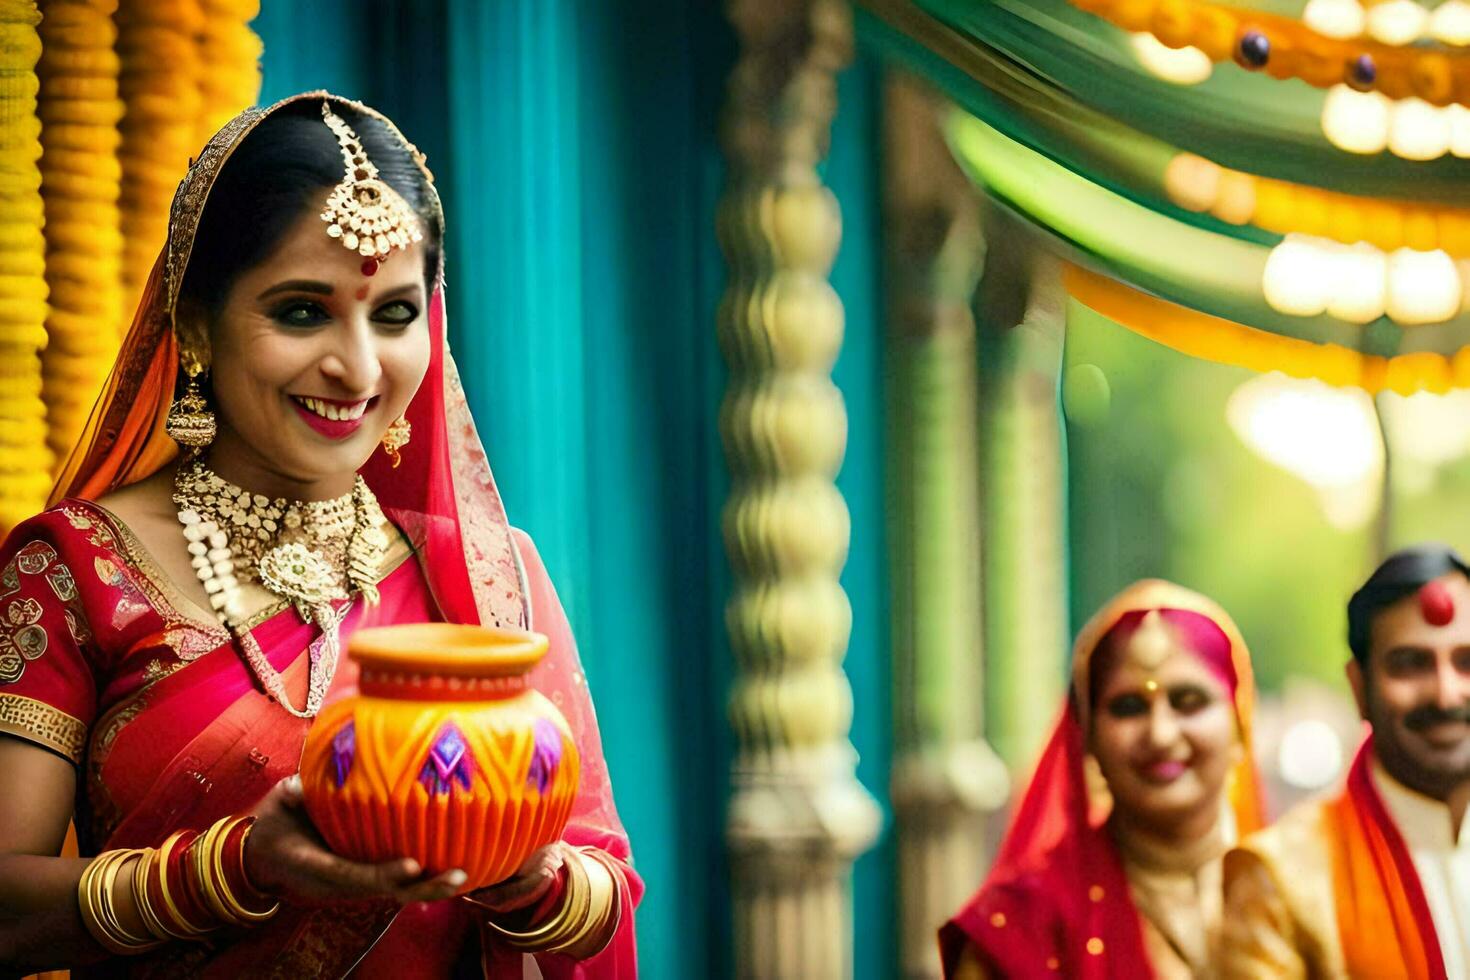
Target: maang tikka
(190, 421)
(364, 213)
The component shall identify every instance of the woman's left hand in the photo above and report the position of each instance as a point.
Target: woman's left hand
(527, 886)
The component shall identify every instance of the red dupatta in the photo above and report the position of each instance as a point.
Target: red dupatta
(443, 497)
(1056, 901)
(1383, 917)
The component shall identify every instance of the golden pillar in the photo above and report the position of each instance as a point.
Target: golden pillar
(946, 780)
(798, 816)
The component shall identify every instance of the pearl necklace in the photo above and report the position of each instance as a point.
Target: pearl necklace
(312, 553)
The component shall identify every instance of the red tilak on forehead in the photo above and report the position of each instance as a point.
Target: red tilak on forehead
(1436, 603)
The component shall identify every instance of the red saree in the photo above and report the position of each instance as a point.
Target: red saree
(1056, 901)
(104, 662)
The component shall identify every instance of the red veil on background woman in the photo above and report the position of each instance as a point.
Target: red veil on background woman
(1056, 901)
(444, 499)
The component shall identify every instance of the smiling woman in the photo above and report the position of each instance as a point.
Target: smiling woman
(1115, 870)
(174, 621)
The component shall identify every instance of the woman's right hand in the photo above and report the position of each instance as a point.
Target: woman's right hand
(285, 856)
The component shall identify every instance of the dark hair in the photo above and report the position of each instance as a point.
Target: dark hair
(276, 173)
(1403, 573)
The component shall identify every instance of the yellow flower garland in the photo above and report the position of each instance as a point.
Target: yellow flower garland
(80, 182)
(24, 460)
(159, 83)
(232, 51)
(1239, 198)
(1213, 338)
(1295, 50)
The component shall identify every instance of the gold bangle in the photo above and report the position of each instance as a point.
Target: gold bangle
(165, 852)
(567, 917)
(199, 860)
(150, 917)
(239, 913)
(579, 905)
(94, 901)
(129, 860)
(107, 911)
(254, 890)
(603, 908)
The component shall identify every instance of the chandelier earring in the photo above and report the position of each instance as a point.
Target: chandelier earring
(190, 421)
(396, 438)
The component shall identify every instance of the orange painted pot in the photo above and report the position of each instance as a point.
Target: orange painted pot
(446, 754)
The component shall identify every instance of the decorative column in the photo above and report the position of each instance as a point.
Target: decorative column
(798, 816)
(946, 779)
(1021, 306)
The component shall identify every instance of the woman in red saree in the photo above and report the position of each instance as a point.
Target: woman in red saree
(138, 704)
(1111, 865)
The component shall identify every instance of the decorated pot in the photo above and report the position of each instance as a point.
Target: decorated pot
(445, 755)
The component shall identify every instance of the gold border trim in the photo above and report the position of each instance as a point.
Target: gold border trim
(37, 721)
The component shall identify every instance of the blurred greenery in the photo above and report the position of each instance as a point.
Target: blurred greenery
(1161, 485)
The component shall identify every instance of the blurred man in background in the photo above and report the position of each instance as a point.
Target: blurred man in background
(1375, 882)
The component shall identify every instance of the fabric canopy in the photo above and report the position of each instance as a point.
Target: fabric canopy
(1065, 127)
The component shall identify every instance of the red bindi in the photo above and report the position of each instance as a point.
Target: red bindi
(369, 267)
(1436, 604)
(362, 292)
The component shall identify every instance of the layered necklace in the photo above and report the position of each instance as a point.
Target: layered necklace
(310, 553)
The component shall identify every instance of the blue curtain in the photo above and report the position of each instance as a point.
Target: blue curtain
(574, 143)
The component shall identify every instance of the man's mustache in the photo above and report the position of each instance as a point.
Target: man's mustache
(1428, 715)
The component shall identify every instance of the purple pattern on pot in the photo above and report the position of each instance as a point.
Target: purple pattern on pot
(545, 754)
(448, 762)
(344, 748)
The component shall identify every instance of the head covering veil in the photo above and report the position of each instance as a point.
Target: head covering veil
(1057, 851)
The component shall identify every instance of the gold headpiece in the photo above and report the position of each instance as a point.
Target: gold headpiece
(1152, 642)
(367, 215)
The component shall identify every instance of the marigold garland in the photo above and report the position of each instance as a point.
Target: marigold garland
(80, 183)
(24, 461)
(232, 51)
(160, 86)
(1239, 198)
(1224, 341)
(1286, 48)
(119, 93)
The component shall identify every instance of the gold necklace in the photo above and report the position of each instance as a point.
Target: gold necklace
(311, 553)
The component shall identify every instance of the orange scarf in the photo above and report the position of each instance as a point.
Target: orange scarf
(1383, 919)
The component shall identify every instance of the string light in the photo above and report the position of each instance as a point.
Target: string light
(1418, 131)
(1450, 22)
(1182, 66)
(1397, 22)
(1307, 276)
(1357, 122)
(1341, 19)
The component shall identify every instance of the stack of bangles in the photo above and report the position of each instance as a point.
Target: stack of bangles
(191, 885)
(585, 915)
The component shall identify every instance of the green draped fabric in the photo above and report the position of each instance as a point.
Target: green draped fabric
(1068, 130)
(1244, 120)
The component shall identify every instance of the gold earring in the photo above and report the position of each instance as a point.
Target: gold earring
(190, 421)
(396, 438)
